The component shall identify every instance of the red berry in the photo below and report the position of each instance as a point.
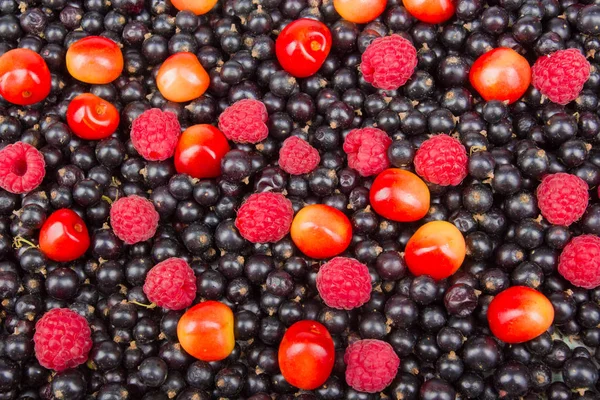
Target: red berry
(297, 156)
(388, 62)
(562, 198)
(182, 78)
(367, 150)
(91, 117)
(22, 168)
(171, 284)
(62, 339)
(265, 217)
(94, 59)
(155, 133)
(64, 236)
(561, 75)
(302, 47)
(344, 283)
(245, 121)
(133, 219)
(579, 262)
(399, 195)
(371, 365)
(442, 160)
(24, 77)
(359, 11)
(430, 11)
(200, 150)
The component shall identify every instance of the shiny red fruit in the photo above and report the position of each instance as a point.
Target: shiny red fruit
(94, 59)
(306, 355)
(24, 77)
(200, 150)
(302, 47)
(430, 11)
(91, 117)
(399, 195)
(64, 236)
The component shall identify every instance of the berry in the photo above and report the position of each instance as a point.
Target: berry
(389, 62)
(579, 262)
(561, 75)
(22, 168)
(302, 47)
(359, 11)
(171, 284)
(371, 365)
(245, 121)
(344, 283)
(91, 117)
(265, 217)
(430, 11)
(200, 150)
(182, 78)
(399, 195)
(197, 7)
(64, 236)
(133, 219)
(24, 77)
(94, 59)
(562, 198)
(297, 157)
(62, 339)
(367, 150)
(155, 133)
(442, 160)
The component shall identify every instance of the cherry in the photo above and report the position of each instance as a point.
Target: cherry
(64, 236)
(306, 355)
(302, 47)
(182, 78)
(91, 117)
(399, 195)
(205, 331)
(200, 150)
(519, 314)
(95, 59)
(501, 74)
(321, 231)
(359, 11)
(198, 7)
(24, 77)
(436, 249)
(430, 11)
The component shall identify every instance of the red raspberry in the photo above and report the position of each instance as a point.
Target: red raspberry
(579, 262)
(62, 339)
(265, 217)
(367, 150)
(171, 284)
(245, 121)
(562, 198)
(561, 75)
(389, 62)
(297, 157)
(442, 160)
(344, 283)
(133, 219)
(371, 365)
(22, 168)
(155, 133)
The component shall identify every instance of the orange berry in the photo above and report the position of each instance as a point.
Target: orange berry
(430, 11)
(182, 78)
(94, 59)
(198, 7)
(359, 11)
(399, 195)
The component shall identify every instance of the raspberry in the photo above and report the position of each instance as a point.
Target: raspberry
(155, 133)
(265, 217)
(133, 219)
(171, 284)
(561, 75)
(442, 160)
(389, 62)
(367, 150)
(297, 157)
(371, 365)
(62, 339)
(245, 121)
(344, 283)
(579, 262)
(22, 168)
(562, 198)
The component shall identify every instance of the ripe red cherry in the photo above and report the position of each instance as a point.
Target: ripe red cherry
(430, 11)
(94, 59)
(91, 117)
(64, 236)
(200, 150)
(24, 77)
(519, 314)
(302, 47)
(399, 195)
(306, 355)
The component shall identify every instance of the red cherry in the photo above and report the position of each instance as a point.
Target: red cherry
(91, 117)
(94, 59)
(200, 150)
(302, 47)
(64, 236)
(399, 195)
(430, 11)
(24, 77)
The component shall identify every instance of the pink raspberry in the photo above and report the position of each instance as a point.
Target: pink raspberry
(562, 198)
(155, 133)
(371, 365)
(171, 284)
(133, 219)
(579, 262)
(62, 339)
(442, 160)
(22, 168)
(265, 217)
(388, 62)
(561, 75)
(245, 121)
(297, 157)
(367, 150)
(344, 283)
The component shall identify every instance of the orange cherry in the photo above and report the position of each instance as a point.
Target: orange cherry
(198, 7)
(399, 195)
(200, 150)
(359, 11)
(182, 78)
(430, 11)
(24, 77)
(94, 59)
